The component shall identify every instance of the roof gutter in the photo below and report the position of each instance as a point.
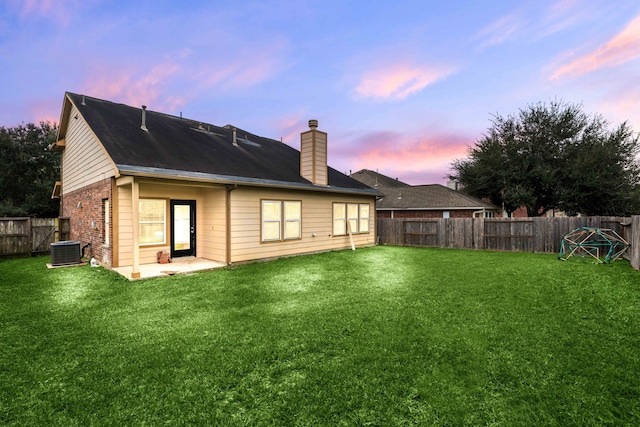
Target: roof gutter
(150, 172)
(444, 208)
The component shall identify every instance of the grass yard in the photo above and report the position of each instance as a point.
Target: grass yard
(380, 336)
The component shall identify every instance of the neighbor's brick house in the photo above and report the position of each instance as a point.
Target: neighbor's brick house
(401, 200)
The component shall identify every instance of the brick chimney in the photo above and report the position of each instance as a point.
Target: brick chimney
(313, 154)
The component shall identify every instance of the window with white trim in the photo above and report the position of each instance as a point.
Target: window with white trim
(153, 221)
(281, 220)
(339, 219)
(292, 220)
(353, 215)
(107, 222)
(364, 218)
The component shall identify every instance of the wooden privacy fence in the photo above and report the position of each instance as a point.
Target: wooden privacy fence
(542, 235)
(26, 236)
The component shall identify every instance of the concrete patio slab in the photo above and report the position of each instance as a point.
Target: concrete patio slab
(176, 266)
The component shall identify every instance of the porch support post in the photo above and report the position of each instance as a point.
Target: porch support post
(230, 188)
(135, 209)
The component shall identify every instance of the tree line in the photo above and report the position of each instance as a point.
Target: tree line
(547, 156)
(554, 156)
(28, 171)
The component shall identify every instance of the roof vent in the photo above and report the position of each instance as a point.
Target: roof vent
(313, 124)
(235, 141)
(83, 101)
(144, 118)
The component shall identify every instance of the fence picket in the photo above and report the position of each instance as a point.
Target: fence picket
(541, 235)
(25, 236)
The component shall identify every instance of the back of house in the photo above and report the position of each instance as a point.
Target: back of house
(136, 182)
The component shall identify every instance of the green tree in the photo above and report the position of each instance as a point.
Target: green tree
(603, 175)
(553, 156)
(28, 171)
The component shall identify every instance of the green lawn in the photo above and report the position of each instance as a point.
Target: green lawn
(380, 336)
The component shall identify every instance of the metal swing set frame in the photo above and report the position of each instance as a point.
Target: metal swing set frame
(602, 244)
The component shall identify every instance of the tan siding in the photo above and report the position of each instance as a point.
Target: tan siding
(317, 217)
(125, 226)
(306, 154)
(313, 156)
(85, 160)
(214, 225)
(320, 165)
(245, 218)
(210, 220)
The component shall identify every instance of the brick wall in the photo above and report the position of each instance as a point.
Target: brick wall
(85, 209)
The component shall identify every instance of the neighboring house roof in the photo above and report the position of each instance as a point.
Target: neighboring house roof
(401, 196)
(429, 197)
(377, 180)
(176, 147)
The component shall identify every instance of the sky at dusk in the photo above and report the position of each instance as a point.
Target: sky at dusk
(402, 87)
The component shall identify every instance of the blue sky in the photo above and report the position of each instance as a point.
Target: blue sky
(401, 87)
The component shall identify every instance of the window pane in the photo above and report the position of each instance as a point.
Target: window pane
(364, 218)
(292, 213)
(352, 213)
(292, 210)
(339, 219)
(271, 220)
(151, 233)
(271, 231)
(364, 211)
(106, 222)
(270, 211)
(181, 227)
(152, 221)
(152, 210)
(292, 230)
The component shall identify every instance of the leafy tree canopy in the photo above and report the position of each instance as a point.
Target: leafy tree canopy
(554, 156)
(28, 170)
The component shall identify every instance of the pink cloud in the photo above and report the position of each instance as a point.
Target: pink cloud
(290, 127)
(406, 156)
(248, 67)
(623, 47)
(56, 11)
(134, 88)
(234, 75)
(499, 31)
(45, 110)
(562, 15)
(620, 103)
(398, 81)
(195, 74)
(30, 7)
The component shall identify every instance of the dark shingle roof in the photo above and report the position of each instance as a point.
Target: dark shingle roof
(433, 196)
(377, 180)
(399, 195)
(178, 144)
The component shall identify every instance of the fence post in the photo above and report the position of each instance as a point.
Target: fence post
(478, 233)
(29, 236)
(635, 242)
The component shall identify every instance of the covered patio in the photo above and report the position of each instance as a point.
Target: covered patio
(184, 265)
